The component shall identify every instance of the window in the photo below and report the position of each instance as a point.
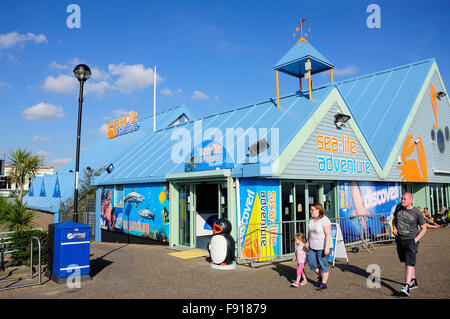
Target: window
(118, 196)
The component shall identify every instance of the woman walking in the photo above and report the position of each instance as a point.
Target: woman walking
(319, 244)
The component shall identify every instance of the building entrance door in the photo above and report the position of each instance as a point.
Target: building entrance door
(184, 211)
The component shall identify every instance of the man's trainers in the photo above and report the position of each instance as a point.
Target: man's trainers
(322, 286)
(405, 290)
(413, 284)
(304, 282)
(319, 281)
(294, 284)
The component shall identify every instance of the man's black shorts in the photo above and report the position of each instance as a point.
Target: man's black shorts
(407, 250)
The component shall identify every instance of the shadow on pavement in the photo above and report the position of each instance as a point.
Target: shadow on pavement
(98, 264)
(290, 273)
(362, 272)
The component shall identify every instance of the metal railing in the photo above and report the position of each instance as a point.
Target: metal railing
(275, 241)
(31, 268)
(5, 243)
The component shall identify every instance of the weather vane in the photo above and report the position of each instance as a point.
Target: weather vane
(301, 29)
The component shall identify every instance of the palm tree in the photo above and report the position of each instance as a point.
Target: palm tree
(25, 165)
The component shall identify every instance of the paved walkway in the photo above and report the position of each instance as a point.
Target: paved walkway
(141, 271)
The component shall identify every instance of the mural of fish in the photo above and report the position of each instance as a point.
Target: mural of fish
(134, 197)
(145, 213)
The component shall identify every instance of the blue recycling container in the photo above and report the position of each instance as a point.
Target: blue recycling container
(68, 251)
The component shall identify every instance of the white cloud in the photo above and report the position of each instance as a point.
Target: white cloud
(97, 87)
(43, 153)
(12, 39)
(61, 161)
(120, 113)
(61, 84)
(350, 70)
(43, 111)
(40, 139)
(199, 95)
(169, 92)
(4, 84)
(98, 74)
(132, 77)
(55, 65)
(102, 130)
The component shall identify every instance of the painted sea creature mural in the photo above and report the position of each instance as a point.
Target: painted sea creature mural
(146, 213)
(134, 197)
(148, 218)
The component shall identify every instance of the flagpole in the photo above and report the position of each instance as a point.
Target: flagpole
(154, 100)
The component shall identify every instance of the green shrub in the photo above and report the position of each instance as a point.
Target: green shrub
(5, 209)
(22, 238)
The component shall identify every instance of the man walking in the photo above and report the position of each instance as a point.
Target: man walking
(406, 222)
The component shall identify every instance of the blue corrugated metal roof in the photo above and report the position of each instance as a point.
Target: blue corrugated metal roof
(101, 154)
(381, 102)
(50, 203)
(293, 62)
(104, 150)
(151, 160)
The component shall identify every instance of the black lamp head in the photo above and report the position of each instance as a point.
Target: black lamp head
(82, 72)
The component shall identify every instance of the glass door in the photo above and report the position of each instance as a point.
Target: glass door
(287, 216)
(329, 200)
(184, 215)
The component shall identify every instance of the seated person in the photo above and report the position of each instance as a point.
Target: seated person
(442, 217)
(430, 221)
(385, 228)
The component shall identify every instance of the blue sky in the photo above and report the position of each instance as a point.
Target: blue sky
(211, 56)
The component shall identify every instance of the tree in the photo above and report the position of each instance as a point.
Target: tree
(86, 189)
(25, 165)
(18, 218)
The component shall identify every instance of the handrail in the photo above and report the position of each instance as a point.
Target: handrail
(39, 282)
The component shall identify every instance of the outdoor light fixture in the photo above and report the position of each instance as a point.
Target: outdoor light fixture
(82, 73)
(340, 119)
(441, 94)
(110, 168)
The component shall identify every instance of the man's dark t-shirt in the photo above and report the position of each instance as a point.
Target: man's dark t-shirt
(406, 221)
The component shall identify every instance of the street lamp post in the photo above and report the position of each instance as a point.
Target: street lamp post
(82, 72)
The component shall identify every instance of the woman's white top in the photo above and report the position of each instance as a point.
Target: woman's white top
(316, 233)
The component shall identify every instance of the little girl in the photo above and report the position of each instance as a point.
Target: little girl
(300, 257)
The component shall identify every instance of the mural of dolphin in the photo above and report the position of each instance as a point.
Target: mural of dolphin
(134, 197)
(145, 213)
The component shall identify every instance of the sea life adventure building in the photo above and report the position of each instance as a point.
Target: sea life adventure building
(366, 139)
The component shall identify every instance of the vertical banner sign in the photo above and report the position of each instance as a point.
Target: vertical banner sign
(260, 210)
(363, 199)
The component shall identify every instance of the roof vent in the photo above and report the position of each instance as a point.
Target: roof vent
(258, 147)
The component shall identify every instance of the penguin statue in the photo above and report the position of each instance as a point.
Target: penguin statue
(222, 245)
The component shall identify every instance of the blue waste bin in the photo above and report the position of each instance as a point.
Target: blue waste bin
(68, 251)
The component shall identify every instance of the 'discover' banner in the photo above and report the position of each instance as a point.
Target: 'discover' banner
(259, 207)
(365, 199)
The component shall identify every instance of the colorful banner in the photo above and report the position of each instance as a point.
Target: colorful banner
(259, 207)
(357, 199)
(209, 155)
(142, 211)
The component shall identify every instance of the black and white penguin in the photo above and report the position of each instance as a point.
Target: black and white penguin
(222, 245)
